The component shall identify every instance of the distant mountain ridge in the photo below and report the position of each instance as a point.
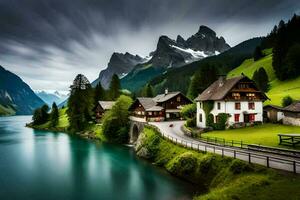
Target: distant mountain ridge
(175, 53)
(16, 96)
(50, 97)
(119, 64)
(135, 70)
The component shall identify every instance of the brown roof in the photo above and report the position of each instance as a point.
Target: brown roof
(273, 106)
(146, 102)
(294, 107)
(220, 88)
(165, 97)
(106, 105)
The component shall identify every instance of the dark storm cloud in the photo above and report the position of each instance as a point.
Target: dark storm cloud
(48, 41)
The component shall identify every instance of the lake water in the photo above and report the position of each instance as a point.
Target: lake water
(46, 165)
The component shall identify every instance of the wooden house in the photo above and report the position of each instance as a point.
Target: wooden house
(165, 106)
(238, 97)
(292, 114)
(102, 107)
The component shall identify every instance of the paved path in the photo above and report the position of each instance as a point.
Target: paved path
(274, 161)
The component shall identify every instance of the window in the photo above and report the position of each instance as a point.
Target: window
(250, 96)
(200, 117)
(150, 113)
(200, 104)
(160, 113)
(236, 117)
(155, 113)
(178, 99)
(238, 106)
(236, 95)
(251, 117)
(143, 113)
(251, 106)
(219, 106)
(243, 86)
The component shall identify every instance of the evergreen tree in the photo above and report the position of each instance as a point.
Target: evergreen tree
(260, 77)
(293, 61)
(148, 91)
(258, 54)
(80, 104)
(54, 115)
(100, 93)
(40, 115)
(201, 80)
(114, 87)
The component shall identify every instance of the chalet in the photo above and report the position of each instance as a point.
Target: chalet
(162, 107)
(292, 114)
(102, 107)
(238, 97)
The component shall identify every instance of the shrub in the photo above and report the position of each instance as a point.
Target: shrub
(188, 111)
(222, 120)
(286, 101)
(238, 167)
(191, 122)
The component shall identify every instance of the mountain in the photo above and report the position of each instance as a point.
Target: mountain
(49, 97)
(173, 54)
(179, 78)
(119, 64)
(16, 97)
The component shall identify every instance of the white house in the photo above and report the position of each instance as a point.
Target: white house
(238, 97)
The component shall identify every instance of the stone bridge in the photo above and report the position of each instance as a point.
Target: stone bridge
(136, 127)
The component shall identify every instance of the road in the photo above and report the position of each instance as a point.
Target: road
(267, 159)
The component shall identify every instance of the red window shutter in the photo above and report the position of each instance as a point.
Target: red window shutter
(236, 117)
(252, 117)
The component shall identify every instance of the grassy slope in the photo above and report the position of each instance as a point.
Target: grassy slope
(63, 125)
(278, 89)
(4, 111)
(263, 134)
(223, 178)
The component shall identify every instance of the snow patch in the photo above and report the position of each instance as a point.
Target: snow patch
(195, 54)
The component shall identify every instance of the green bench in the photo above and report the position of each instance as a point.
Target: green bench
(289, 139)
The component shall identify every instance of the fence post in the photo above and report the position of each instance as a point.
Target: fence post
(249, 157)
(268, 162)
(294, 166)
(214, 149)
(198, 148)
(215, 140)
(234, 154)
(205, 150)
(176, 140)
(222, 152)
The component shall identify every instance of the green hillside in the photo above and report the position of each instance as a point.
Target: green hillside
(5, 111)
(278, 89)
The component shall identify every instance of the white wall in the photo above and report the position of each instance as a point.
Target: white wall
(229, 108)
(291, 121)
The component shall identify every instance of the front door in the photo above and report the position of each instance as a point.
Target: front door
(246, 118)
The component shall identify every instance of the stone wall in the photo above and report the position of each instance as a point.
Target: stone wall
(291, 121)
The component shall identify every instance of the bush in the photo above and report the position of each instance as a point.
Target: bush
(286, 101)
(184, 165)
(115, 122)
(222, 121)
(188, 111)
(238, 167)
(191, 122)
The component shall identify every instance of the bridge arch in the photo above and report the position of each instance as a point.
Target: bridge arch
(135, 129)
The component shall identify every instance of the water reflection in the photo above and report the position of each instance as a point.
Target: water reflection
(46, 165)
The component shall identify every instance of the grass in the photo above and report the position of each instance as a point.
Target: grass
(4, 111)
(278, 89)
(221, 178)
(265, 134)
(63, 125)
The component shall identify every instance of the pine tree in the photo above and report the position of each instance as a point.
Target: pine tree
(260, 77)
(147, 91)
(100, 93)
(114, 87)
(41, 115)
(54, 115)
(80, 104)
(258, 54)
(201, 80)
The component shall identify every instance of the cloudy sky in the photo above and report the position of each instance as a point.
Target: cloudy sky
(48, 42)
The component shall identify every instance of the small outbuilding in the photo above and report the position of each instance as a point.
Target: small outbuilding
(273, 113)
(102, 107)
(292, 114)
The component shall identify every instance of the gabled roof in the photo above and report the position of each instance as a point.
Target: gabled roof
(165, 97)
(106, 105)
(146, 102)
(273, 106)
(294, 107)
(220, 88)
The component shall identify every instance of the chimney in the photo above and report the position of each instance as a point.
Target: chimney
(166, 91)
(222, 79)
